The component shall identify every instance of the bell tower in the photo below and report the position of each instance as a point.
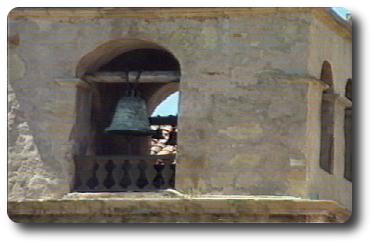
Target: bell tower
(124, 91)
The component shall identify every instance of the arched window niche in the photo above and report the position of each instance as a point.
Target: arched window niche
(348, 133)
(326, 76)
(327, 120)
(111, 162)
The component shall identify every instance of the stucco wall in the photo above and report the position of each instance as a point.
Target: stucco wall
(243, 107)
(326, 45)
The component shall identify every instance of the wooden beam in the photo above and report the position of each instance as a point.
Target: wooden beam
(120, 77)
(125, 157)
(163, 120)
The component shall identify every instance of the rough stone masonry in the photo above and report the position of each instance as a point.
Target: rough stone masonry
(249, 110)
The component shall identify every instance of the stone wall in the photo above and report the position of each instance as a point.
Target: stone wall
(244, 95)
(166, 208)
(326, 45)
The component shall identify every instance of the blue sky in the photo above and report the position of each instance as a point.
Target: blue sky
(341, 12)
(170, 105)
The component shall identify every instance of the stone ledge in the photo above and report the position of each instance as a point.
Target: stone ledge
(69, 14)
(342, 100)
(197, 209)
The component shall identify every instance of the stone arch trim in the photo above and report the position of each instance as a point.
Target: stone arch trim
(326, 75)
(160, 95)
(104, 53)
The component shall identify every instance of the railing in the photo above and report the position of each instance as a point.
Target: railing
(124, 173)
(163, 120)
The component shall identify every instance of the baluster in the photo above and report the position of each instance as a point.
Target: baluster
(109, 180)
(158, 181)
(126, 178)
(142, 178)
(169, 172)
(132, 170)
(101, 174)
(150, 173)
(118, 174)
(84, 172)
(92, 182)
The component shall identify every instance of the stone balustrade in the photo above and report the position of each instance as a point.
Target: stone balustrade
(124, 173)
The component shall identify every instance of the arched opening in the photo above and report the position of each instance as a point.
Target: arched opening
(108, 51)
(327, 120)
(348, 89)
(348, 133)
(326, 74)
(168, 106)
(144, 60)
(121, 73)
(168, 111)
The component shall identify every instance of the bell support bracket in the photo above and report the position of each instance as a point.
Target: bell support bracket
(131, 77)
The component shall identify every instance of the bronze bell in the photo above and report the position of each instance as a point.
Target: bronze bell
(131, 116)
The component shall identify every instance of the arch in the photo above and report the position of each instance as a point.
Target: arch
(326, 74)
(327, 120)
(142, 60)
(348, 133)
(160, 95)
(348, 89)
(122, 58)
(110, 50)
(124, 55)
